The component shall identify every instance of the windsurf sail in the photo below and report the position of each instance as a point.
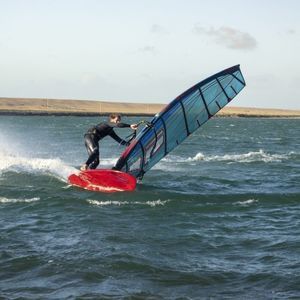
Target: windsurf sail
(179, 119)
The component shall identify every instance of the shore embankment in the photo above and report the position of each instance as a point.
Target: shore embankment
(35, 106)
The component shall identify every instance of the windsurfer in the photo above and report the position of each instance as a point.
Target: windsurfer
(97, 133)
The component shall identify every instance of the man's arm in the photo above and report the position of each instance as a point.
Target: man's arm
(118, 125)
(123, 125)
(118, 139)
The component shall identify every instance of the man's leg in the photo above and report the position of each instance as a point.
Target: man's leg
(93, 151)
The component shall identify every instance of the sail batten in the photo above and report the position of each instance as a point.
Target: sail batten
(228, 98)
(180, 118)
(205, 104)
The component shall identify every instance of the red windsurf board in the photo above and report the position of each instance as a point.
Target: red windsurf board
(103, 180)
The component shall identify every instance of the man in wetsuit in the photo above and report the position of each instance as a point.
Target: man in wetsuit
(97, 133)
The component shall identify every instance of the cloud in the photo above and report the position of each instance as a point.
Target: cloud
(157, 29)
(148, 49)
(228, 37)
(291, 31)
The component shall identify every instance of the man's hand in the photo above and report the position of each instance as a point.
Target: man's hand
(134, 126)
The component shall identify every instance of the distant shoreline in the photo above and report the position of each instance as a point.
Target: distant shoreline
(58, 107)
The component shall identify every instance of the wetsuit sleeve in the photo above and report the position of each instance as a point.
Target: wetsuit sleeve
(123, 125)
(118, 139)
(118, 125)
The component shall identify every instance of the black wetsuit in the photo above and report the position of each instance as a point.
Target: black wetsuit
(95, 134)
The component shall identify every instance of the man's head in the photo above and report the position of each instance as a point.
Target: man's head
(115, 118)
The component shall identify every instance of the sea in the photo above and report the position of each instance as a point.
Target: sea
(217, 218)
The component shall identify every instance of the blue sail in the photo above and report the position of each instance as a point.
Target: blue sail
(179, 119)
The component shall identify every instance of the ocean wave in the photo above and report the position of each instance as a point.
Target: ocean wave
(52, 166)
(246, 202)
(253, 156)
(176, 162)
(13, 200)
(121, 203)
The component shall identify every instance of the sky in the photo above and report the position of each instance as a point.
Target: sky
(149, 51)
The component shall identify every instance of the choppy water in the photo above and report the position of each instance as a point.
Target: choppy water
(218, 218)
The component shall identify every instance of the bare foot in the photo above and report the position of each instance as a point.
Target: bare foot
(84, 167)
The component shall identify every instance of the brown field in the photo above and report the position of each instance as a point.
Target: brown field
(34, 106)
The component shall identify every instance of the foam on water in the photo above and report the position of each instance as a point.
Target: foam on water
(253, 156)
(174, 162)
(50, 166)
(246, 202)
(121, 203)
(14, 157)
(12, 200)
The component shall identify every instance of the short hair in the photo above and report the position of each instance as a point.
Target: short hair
(113, 116)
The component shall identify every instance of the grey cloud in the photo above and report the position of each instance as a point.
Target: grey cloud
(291, 31)
(148, 49)
(157, 29)
(229, 37)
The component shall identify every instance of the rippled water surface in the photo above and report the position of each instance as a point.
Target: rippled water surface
(216, 219)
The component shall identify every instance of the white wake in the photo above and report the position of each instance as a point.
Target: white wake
(50, 166)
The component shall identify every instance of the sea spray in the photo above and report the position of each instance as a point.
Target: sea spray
(15, 157)
(53, 166)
